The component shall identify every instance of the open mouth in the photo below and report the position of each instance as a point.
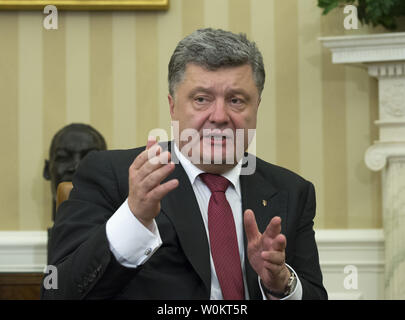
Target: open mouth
(216, 137)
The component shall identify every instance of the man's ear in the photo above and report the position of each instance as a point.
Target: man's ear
(171, 105)
(46, 173)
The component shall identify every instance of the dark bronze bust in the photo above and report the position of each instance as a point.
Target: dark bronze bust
(69, 145)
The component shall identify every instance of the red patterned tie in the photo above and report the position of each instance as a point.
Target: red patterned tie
(223, 240)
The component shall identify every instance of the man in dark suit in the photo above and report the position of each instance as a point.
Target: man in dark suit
(185, 219)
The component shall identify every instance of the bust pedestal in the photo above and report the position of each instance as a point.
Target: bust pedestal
(384, 57)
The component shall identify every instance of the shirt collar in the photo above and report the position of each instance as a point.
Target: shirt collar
(193, 172)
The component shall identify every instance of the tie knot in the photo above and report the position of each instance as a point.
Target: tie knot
(215, 182)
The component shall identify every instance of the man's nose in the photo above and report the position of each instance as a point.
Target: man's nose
(219, 112)
(75, 162)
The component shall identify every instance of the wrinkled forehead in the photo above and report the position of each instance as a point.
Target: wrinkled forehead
(239, 74)
(77, 140)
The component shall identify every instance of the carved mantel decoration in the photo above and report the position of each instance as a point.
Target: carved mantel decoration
(383, 55)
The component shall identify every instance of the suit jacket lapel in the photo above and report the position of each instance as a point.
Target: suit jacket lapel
(266, 202)
(182, 208)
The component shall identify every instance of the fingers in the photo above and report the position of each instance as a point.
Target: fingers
(161, 190)
(152, 165)
(273, 228)
(149, 160)
(274, 257)
(252, 232)
(280, 243)
(151, 141)
(152, 150)
(146, 174)
(266, 252)
(144, 156)
(156, 176)
(273, 239)
(274, 260)
(277, 250)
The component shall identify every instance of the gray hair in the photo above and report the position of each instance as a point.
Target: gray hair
(213, 49)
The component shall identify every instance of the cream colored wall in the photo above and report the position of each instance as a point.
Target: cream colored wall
(110, 70)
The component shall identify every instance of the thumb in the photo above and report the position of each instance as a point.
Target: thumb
(252, 232)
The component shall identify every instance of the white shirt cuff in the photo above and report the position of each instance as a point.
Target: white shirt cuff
(130, 241)
(295, 295)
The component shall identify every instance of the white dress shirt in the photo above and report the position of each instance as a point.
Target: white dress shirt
(133, 244)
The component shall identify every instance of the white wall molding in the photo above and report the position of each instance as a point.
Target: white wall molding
(25, 251)
(361, 248)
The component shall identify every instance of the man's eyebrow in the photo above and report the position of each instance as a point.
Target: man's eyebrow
(200, 89)
(238, 90)
(228, 92)
(241, 91)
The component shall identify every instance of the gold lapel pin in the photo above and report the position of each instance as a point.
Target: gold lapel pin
(264, 202)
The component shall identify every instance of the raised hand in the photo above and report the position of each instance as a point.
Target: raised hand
(266, 252)
(145, 176)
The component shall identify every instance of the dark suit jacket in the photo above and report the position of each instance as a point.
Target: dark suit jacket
(180, 268)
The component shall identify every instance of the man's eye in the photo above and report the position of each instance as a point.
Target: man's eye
(61, 158)
(200, 100)
(236, 101)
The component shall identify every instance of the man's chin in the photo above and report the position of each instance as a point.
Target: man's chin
(220, 160)
(217, 154)
(215, 168)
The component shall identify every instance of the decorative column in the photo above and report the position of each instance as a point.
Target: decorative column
(384, 57)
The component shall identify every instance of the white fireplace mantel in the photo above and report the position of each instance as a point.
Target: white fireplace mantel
(364, 49)
(383, 55)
